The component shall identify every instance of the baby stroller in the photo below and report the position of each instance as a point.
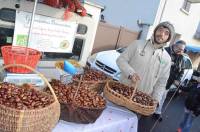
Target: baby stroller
(192, 83)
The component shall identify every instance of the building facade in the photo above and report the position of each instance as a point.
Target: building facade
(144, 15)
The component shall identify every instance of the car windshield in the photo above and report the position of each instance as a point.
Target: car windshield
(120, 50)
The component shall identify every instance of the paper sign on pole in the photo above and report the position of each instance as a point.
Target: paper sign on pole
(48, 34)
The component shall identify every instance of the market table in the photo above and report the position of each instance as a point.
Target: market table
(113, 119)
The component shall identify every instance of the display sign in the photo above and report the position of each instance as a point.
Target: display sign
(48, 34)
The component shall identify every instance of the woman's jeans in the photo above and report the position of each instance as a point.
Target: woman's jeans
(186, 124)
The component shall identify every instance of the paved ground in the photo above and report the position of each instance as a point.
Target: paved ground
(171, 118)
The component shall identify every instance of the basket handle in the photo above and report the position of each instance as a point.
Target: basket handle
(79, 84)
(135, 85)
(33, 70)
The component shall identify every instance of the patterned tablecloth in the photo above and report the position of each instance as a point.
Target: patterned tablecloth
(113, 119)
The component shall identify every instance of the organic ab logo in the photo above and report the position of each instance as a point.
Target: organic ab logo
(22, 40)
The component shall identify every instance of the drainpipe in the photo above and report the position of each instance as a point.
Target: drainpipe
(161, 16)
(141, 25)
(139, 34)
(118, 37)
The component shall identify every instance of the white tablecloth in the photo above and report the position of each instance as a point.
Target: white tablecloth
(113, 119)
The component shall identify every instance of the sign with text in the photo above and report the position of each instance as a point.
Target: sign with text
(48, 34)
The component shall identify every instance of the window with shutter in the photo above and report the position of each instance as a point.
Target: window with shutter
(186, 5)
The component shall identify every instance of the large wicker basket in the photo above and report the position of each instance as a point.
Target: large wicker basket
(72, 113)
(121, 100)
(37, 120)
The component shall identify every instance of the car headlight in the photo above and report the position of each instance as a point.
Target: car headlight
(118, 75)
(92, 58)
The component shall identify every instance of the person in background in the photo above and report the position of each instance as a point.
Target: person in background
(176, 52)
(146, 61)
(192, 104)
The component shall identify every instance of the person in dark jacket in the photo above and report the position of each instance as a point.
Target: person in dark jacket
(192, 105)
(177, 67)
(176, 72)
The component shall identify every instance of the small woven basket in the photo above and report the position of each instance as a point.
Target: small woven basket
(121, 100)
(96, 86)
(36, 120)
(93, 85)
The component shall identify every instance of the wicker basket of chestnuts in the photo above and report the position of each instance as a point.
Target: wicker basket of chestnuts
(130, 98)
(26, 109)
(78, 104)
